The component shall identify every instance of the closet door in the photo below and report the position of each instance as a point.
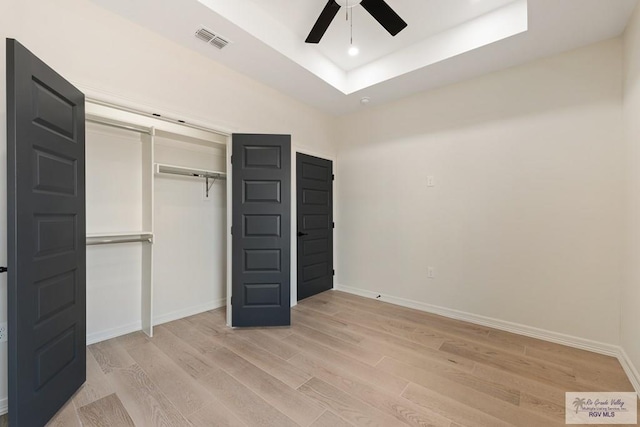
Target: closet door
(46, 238)
(261, 230)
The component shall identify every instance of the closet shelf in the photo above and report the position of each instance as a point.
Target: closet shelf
(179, 170)
(124, 237)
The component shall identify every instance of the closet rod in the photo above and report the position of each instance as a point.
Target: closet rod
(118, 125)
(111, 241)
(196, 174)
(178, 170)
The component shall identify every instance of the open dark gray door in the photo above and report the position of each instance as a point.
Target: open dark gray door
(46, 238)
(261, 244)
(314, 206)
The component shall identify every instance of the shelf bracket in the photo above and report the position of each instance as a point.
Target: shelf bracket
(209, 185)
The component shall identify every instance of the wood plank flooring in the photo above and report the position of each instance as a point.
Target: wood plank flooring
(346, 360)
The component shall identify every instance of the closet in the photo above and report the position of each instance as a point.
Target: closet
(156, 196)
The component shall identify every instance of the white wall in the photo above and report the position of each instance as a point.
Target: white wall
(524, 223)
(631, 290)
(104, 53)
(189, 248)
(114, 204)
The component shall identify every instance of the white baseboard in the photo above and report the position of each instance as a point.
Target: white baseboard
(112, 333)
(137, 326)
(630, 369)
(516, 328)
(190, 311)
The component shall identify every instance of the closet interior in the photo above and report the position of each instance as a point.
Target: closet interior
(156, 220)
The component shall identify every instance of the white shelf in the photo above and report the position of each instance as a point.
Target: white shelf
(183, 171)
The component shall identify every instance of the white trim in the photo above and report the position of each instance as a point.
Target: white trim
(112, 333)
(137, 326)
(4, 406)
(116, 99)
(189, 311)
(516, 328)
(630, 370)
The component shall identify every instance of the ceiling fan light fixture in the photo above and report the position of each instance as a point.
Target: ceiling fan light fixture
(348, 3)
(353, 50)
(378, 9)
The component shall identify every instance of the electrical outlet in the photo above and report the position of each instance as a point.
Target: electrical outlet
(431, 272)
(431, 182)
(3, 332)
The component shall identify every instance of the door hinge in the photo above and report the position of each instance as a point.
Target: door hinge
(333, 225)
(232, 230)
(3, 269)
(333, 177)
(231, 159)
(333, 272)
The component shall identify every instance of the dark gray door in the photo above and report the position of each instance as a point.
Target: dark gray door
(261, 244)
(314, 183)
(46, 238)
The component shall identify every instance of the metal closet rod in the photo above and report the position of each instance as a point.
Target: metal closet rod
(114, 240)
(194, 173)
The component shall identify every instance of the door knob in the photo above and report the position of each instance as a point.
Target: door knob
(300, 234)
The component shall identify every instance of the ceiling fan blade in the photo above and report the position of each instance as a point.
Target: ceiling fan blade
(324, 20)
(386, 16)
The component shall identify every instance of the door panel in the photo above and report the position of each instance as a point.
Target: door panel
(261, 245)
(46, 238)
(314, 181)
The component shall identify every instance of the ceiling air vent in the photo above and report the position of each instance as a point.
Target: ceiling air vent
(212, 38)
(205, 35)
(219, 42)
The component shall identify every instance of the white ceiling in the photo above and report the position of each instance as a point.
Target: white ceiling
(425, 17)
(446, 41)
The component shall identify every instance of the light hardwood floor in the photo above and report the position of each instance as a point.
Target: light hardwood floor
(345, 361)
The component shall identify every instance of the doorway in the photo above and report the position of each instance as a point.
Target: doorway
(314, 206)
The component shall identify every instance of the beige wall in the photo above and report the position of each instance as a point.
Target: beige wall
(631, 290)
(103, 52)
(524, 223)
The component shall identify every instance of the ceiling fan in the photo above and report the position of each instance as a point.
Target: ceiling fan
(379, 9)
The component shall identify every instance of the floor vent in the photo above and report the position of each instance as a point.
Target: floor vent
(212, 38)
